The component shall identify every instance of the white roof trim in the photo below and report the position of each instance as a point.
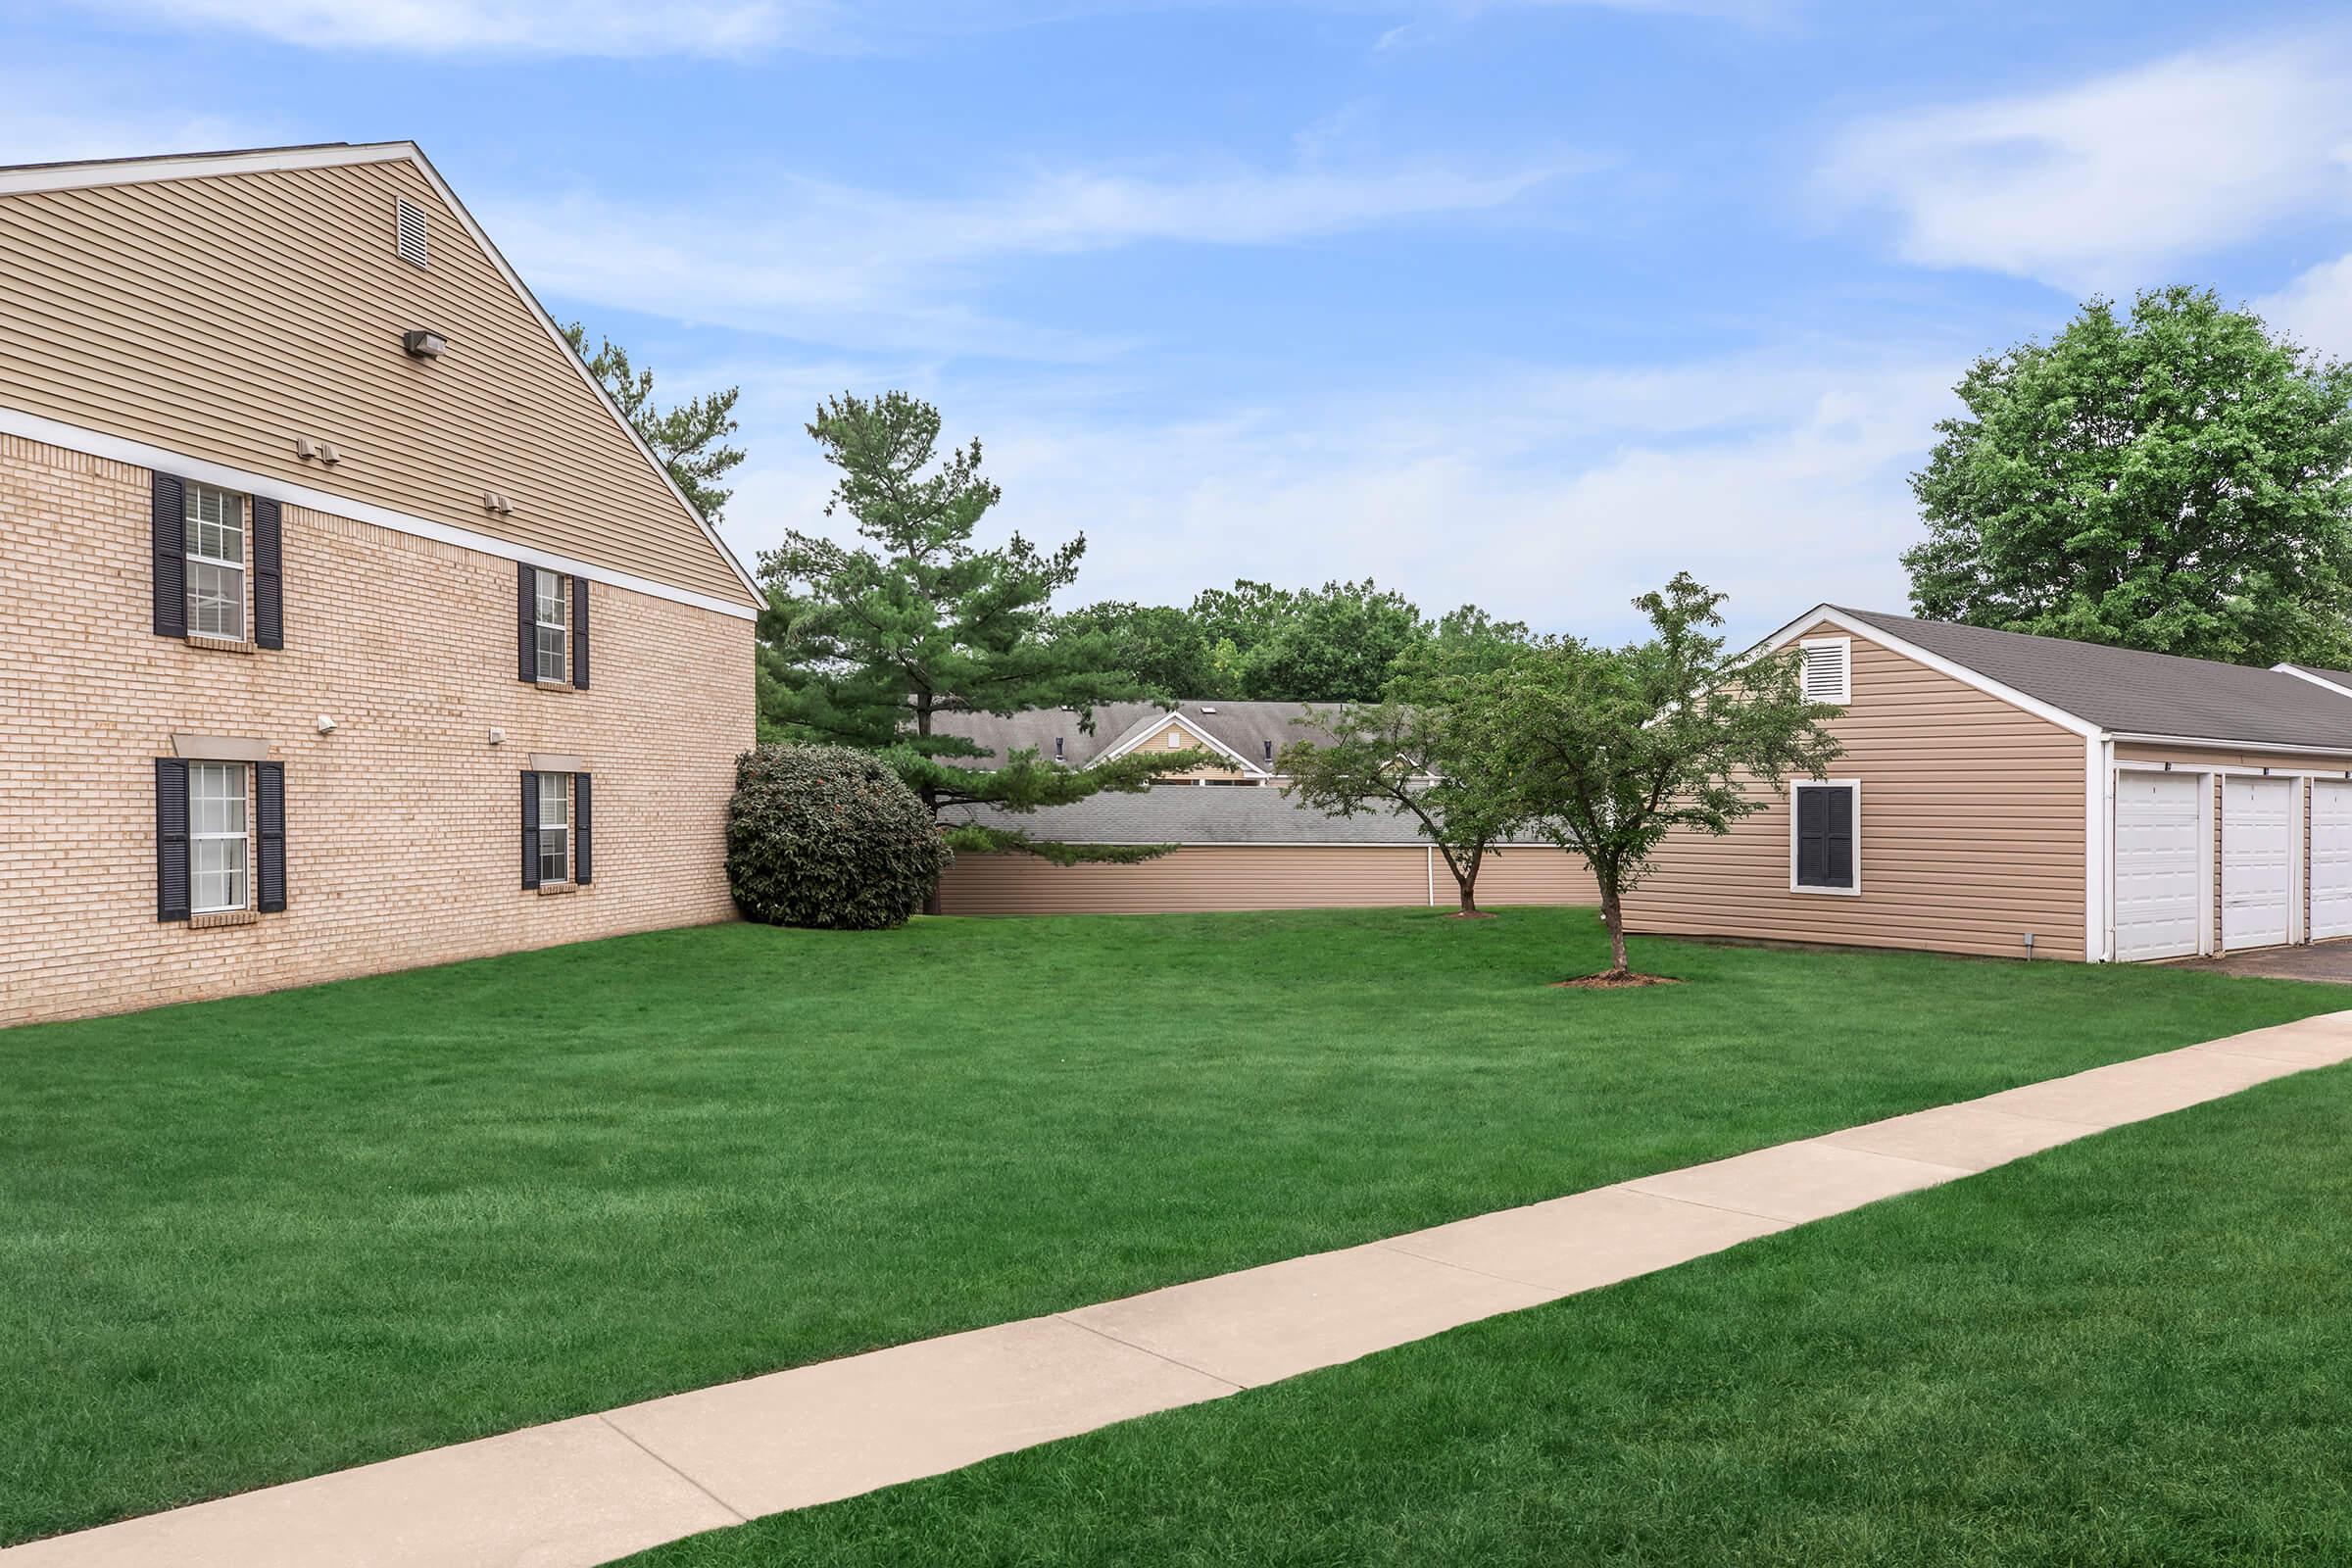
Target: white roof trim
(1935, 662)
(199, 166)
(139, 453)
(2317, 680)
(1146, 727)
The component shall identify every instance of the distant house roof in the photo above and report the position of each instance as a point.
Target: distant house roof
(1243, 727)
(2124, 691)
(1198, 813)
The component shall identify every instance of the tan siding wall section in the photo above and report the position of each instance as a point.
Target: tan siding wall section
(1205, 878)
(223, 316)
(403, 841)
(1971, 831)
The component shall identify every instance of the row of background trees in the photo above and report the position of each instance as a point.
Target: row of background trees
(2172, 476)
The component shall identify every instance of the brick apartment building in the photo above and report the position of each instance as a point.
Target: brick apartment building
(349, 625)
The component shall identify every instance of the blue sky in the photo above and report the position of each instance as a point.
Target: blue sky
(1523, 303)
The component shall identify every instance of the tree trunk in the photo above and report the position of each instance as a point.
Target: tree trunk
(922, 727)
(1612, 915)
(1465, 878)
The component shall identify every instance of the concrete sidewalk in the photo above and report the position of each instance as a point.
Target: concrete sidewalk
(597, 1488)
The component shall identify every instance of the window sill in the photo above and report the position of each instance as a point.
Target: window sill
(554, 686)
(222, 645)
(549, 890)
(1831, 893)
(221, 918)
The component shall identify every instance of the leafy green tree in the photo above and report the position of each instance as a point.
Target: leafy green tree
(1606, 751)
(2178, 480)
(1162, 648)
(1338, 644)
(870, 645)
(690, 438)
(1412, 752)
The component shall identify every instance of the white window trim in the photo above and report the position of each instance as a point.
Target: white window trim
(545, 880)
(1854, 787)
(563, 676)
(244, 841)
(1845, 661)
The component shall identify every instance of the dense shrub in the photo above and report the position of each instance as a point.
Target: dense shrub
(824, 836)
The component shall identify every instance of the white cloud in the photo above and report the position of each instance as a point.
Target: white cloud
(612, 27)
(2102, 185)
(1548, 495)
(2316, 307)
(649, 28)
(810, 259)
(48, 119)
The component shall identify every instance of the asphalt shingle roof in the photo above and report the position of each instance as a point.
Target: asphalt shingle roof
(2130, 692)
(1246, 727)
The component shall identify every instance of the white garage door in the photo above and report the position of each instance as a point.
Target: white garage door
(2157, 861)
(2330, 858)
(2258, 844)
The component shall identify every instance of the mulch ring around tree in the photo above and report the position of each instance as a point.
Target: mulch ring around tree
(1614, 982)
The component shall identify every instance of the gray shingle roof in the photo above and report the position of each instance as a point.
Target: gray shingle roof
(1197, 813)
(2130, 692)
(1246, 727)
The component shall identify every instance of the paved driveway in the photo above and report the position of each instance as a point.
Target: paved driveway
(2322, 960)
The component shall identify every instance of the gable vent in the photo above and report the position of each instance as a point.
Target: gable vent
(411, 231)
(1829, 670)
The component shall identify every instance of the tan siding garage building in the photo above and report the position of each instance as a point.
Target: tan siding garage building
(2009, 795)
(1240, 848)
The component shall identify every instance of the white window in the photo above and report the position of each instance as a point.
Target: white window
(555, 829)
(216, 548)
(1829, 669)
(1175, 739)
(552, 626)
(216, 835)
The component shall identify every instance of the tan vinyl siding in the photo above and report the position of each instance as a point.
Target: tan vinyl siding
(223, 316)
(1524, 875)
(1214, 877)
(2196, 758)
(1971, 827)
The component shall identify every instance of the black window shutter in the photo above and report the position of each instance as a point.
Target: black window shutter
(268, 575)
(530, 829)
(579, 636)
(527, 611)
(1838, 839)
(171, 839)
(1825, 838)
(583, 861)
(168, 535)
(270, 819)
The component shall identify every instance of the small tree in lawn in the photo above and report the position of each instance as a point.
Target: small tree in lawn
(870, 645)
(1410, 752)
(1608, 750)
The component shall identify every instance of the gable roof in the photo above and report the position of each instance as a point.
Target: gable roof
(1241, 728)
(651, 537)
(1144, 729)
(2126, 691)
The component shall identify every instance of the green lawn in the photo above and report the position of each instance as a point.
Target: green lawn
(2132, 1350)
(259, 1238)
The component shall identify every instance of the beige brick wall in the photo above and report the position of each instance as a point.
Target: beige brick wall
(403, 824)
